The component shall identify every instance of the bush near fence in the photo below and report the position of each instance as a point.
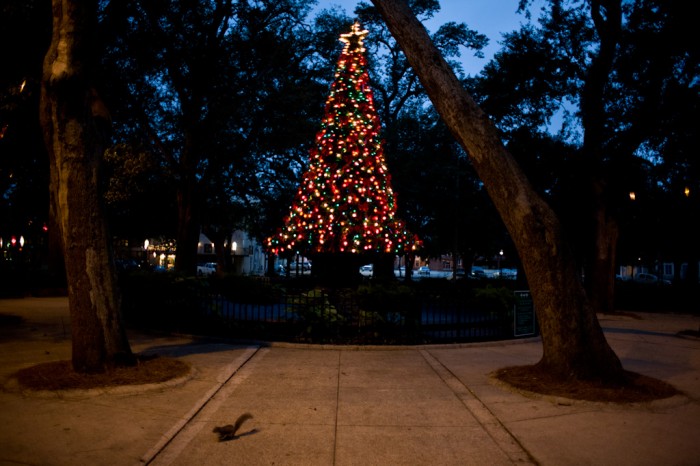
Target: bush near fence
(431, 311)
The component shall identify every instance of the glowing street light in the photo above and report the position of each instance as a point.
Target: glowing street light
(146, 243)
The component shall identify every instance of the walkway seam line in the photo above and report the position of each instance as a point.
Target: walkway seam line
(493, 426)
(231, 370)
(337, 409)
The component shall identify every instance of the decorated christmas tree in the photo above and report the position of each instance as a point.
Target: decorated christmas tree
(345, 204)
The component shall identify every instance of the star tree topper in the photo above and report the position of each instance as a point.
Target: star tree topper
(354, 39)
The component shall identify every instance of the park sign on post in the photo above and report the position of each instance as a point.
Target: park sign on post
(524, 314)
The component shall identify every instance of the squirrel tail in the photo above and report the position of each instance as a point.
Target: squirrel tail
(241, 419)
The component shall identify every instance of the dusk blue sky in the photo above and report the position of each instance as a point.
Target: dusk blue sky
(489, 17)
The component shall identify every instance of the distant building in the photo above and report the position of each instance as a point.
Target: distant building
(663, 271)
(247, 255)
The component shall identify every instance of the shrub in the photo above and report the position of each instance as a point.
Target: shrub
(386, 297)
(167, 301)
(243, 289)
(318, 318)
(491, 299)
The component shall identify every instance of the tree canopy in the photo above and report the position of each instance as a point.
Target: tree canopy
(219, 111)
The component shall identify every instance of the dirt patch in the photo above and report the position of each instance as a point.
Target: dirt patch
(635, 388)
(59, 375)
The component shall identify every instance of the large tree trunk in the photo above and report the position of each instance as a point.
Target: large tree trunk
(75, 124)
(337, 270)
(600, 263)
(600, 277)
(573, 342)
(188, 226)
(188, 202)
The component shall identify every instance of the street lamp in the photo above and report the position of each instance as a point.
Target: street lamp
(234, 247)
(500, 268)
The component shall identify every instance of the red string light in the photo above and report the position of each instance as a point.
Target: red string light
(345, 201)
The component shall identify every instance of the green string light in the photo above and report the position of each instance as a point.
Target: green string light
(345, 202)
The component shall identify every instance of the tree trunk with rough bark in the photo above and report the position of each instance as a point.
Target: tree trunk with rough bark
(573, 342)
(600, 276)
(600, 261)
(188, 226)
(76, 124)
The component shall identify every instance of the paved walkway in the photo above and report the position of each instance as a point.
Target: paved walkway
(429, 405)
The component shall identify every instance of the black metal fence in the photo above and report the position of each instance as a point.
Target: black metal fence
(321, 316)
(278, 311)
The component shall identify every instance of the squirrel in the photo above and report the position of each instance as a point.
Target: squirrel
(228, 432)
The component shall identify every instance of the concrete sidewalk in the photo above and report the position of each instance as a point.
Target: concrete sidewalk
(344, 405)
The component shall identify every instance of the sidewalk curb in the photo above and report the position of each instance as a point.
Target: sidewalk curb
(228, 373)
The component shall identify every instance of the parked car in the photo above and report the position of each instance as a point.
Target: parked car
(424, 271)
(304, 266)
(127, 265)
(366, 268)
(207, 269)
(650, 279)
